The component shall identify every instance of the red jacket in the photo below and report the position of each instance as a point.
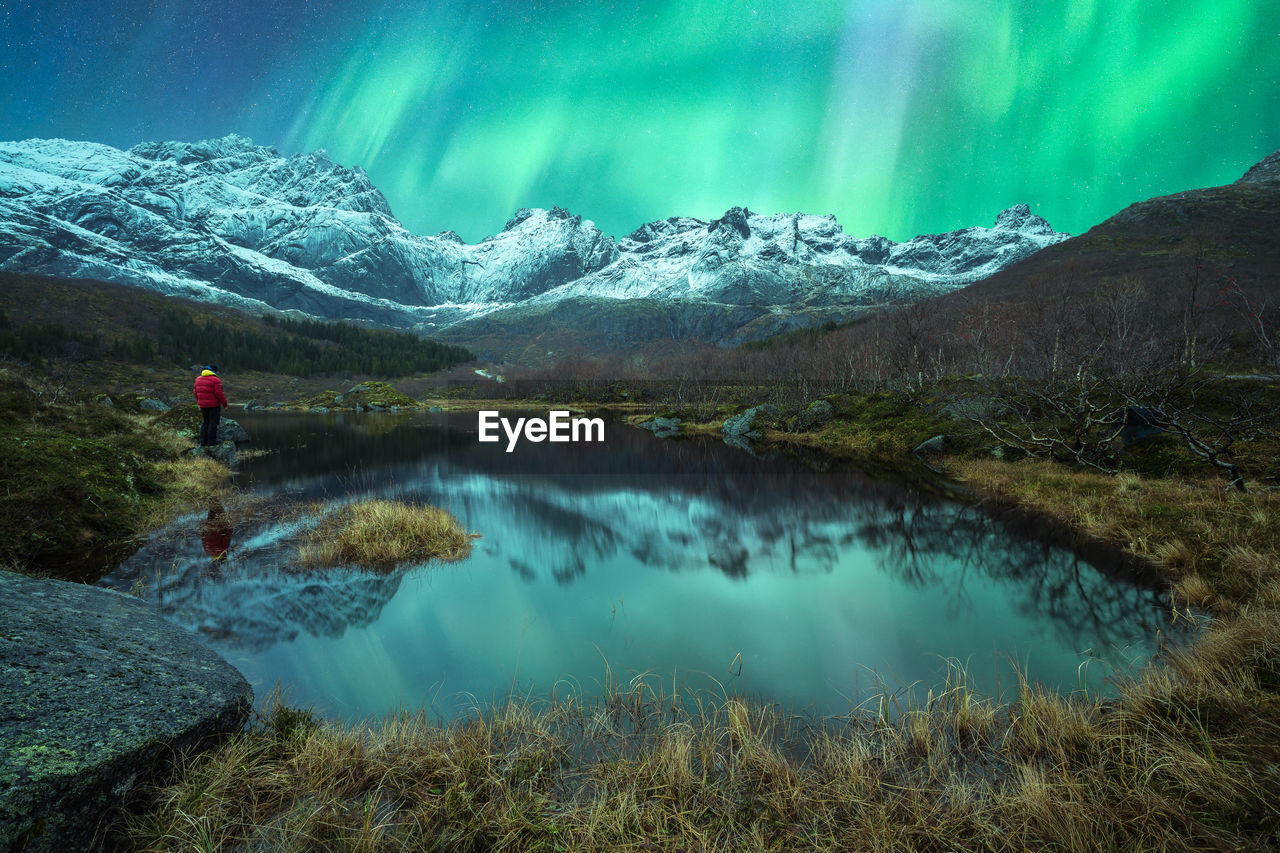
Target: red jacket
(209, 390)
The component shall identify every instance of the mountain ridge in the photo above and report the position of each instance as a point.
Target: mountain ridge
(235, 223)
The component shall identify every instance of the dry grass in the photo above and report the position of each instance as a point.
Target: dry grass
(384, 534)
(1172, 765)
(1214, 545)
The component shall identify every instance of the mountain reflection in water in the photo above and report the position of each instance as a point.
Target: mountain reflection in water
(642, 554)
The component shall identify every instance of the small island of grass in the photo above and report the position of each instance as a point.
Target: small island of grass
(382, 534)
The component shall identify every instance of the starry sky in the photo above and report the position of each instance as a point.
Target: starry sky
(898, 116)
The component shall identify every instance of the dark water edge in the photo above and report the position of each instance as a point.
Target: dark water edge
(594, 546)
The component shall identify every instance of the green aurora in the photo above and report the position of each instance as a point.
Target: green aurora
(898, 117)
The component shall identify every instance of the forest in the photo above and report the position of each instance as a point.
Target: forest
(280, 345)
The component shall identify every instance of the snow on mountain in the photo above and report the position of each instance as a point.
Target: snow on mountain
(230, 222)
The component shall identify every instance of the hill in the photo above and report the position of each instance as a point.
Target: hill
(88, 324)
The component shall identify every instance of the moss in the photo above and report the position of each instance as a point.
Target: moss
(86, 490)
(184, 417)
(81, 481)
(364, 395)
(891, 424)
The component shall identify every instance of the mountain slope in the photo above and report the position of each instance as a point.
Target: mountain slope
(1229, 232)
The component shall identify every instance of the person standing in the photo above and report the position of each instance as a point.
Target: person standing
(211, 400)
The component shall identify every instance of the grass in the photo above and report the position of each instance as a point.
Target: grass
(384, 534)
(1213, 545)
(638, 769)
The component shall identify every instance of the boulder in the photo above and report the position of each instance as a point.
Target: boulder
(319, 410)
(97, 693)
(229, 430)
(224, 453)
(818, 414)
(151, 404)
(745, 424)
(662, 427)
(931, 445)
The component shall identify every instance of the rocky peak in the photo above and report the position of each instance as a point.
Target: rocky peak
(232, 145)
(535, 216)
(664, 227)
(735, 218)
(1020, 218)
(1264, 171)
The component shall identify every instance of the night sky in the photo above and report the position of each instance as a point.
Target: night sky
(899, 116)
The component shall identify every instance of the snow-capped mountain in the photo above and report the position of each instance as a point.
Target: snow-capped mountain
(226, 221)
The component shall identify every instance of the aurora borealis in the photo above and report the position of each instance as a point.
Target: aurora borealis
(899, 117)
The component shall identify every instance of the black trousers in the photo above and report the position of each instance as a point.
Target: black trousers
(209, 424)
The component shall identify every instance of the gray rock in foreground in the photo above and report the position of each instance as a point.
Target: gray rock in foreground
(97, 692)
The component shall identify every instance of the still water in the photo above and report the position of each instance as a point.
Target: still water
(690, 562)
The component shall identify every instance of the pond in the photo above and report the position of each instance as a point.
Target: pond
(689, 562)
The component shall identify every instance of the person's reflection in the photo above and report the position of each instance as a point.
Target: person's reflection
(216, 534)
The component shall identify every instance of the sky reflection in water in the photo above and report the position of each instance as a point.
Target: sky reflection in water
(671, 558)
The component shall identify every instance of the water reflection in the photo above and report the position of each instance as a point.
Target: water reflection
(677, 558)
(216, 534)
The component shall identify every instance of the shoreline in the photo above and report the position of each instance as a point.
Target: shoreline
(690, 776)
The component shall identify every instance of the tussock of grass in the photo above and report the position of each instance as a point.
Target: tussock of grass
(384, 534)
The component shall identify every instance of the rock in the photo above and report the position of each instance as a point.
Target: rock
(818, 414)
(435, 409)
(338, 398)
(107, 401)
(932, 445)
(744, 424)
(229, 430)
(358, 388)
(151, 404)
(319, 410)
(662, 427)
(97, 693)
(224, 453)
(374, 407)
